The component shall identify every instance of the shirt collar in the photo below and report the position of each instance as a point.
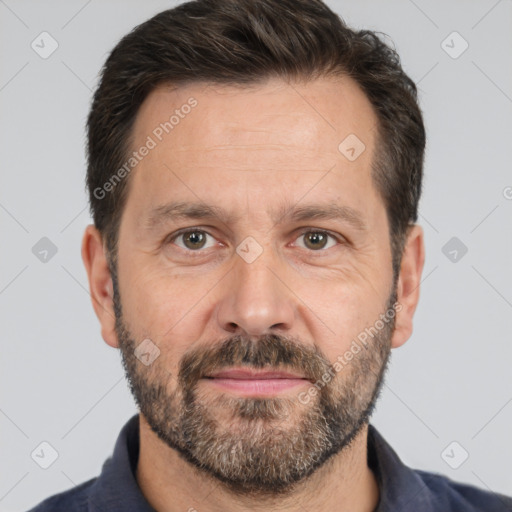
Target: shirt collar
(116, 489)
(400, 487)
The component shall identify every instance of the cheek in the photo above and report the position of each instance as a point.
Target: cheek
(166, 308)
(174, 307)
(339, 310)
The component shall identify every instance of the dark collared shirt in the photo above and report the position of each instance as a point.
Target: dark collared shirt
(401, 489)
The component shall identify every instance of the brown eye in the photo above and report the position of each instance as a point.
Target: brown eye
(194, 239)
(317, 240)
(191, 240)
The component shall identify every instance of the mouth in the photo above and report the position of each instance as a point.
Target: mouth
(249, 382)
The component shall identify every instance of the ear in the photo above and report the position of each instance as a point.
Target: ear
(100, 283)
(408, 285)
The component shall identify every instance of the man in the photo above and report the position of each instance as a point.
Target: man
(254, 173)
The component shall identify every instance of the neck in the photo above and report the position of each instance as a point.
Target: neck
(171, 484)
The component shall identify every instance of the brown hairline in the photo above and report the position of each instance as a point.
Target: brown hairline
(380, 161)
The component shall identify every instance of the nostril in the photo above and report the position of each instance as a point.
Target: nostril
(231, 327)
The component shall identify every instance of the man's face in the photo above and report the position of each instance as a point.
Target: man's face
(266, 284)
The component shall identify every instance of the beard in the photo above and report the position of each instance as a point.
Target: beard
(255, 446)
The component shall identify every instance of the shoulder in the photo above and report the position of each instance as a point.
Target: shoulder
(452, 496)
(72, 500)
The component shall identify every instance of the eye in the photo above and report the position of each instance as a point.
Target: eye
(195, 239)
(317, 240)
(192, 239)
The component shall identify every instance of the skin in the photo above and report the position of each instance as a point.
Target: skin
(251, 151)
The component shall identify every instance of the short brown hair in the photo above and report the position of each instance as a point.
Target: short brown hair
(237, 42)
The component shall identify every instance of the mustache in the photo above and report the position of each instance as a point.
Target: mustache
(269, 351)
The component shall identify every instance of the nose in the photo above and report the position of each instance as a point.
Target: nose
(255, 299)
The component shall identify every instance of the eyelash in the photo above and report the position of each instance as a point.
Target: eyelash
(337, 238)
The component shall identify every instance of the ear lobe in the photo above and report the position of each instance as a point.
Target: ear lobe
(408, 285)
(100, 283)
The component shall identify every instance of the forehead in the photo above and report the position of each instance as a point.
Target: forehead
(254, 144)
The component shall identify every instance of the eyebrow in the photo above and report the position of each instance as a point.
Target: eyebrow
(176, 211)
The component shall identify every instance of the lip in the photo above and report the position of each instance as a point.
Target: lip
(248, 382)
(248, 374)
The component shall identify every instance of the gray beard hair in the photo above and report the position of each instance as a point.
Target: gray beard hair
(250, 444)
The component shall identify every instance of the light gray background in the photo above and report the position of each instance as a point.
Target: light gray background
(62, 384)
